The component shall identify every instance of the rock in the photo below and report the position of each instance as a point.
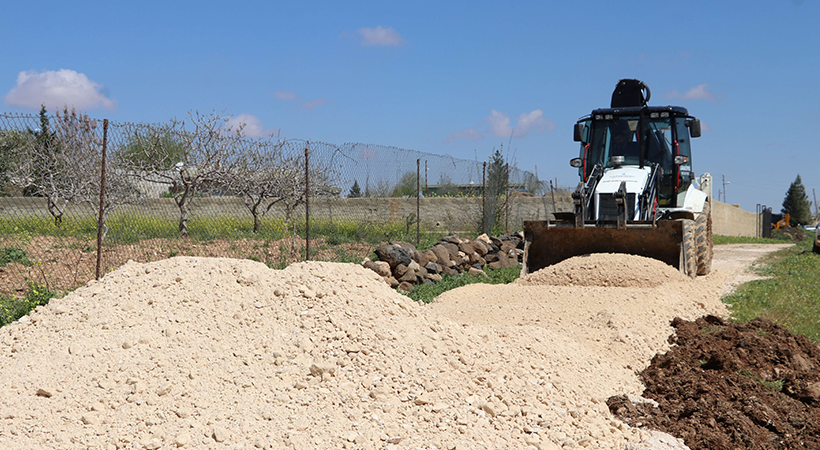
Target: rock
(44, 392)
(219, 434)
(399, 271)
(466, 247)
(380, 267)
(421, 258)
(452, 250)
(480, 247)
(182, 439)
(393, 255)
(392, 281)
(408, 277)
(449, 271)
(318, 369)
(414, 266)
(452, 239)
(433, 268)
(405, 287)
(90, 419)
(812, 392)
(478, 272)
(434, 277)
(431, 257)
(441, 253)
(411, 249)
(421, 273)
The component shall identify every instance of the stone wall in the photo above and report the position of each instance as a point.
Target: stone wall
(730, 220)
(460, 215)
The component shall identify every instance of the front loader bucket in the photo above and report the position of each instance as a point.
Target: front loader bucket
(547, 245)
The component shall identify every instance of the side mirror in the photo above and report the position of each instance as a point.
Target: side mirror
(576, 162)
(694, 127)
(578, 132)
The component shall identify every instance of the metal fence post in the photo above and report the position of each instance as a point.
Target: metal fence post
(507, 200)
(484, 198)
(307, 202)
(418, 201)
(102, 199)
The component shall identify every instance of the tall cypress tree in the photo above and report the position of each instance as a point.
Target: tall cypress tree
(797, 204)
(355, 190)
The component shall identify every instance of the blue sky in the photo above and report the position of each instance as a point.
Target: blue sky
(454, 78)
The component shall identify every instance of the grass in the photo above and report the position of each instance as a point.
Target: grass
(719, 240)
(428, 292)
(774, 386)
(789, 297)
(13, 308)
(14, 255)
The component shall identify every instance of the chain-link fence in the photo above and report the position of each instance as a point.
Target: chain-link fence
(83, 196)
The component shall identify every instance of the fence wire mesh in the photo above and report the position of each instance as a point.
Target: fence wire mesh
(83, 196)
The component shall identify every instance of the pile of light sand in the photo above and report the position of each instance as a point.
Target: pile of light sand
(605, 269)
(228, 354)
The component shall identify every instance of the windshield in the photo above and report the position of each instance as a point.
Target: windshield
(621, 137)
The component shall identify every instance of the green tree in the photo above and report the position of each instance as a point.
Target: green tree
(355, 190)
(797, 204)
(495, 192)
(446, 187)
(406, 187)
(152, 146)
(12, 144)
(498, 171)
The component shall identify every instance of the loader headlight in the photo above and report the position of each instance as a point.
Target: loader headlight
(680, 159)
(576, 162)
(617, 160)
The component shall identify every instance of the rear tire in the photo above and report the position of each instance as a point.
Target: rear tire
(689, 251)
(703, 239)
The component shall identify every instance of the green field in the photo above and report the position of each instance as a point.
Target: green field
(790, 297)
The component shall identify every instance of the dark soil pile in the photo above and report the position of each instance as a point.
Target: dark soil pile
(732, 386)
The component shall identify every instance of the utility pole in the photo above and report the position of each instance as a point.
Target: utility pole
(814, 194)
(724, 188)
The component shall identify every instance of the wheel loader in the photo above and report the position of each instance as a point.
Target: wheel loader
(637, 192)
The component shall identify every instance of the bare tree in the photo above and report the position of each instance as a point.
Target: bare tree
(185, 157)
(259, 176)
(321, 181)
(61, 162)
(81, 139)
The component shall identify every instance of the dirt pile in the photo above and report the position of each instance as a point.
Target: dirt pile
(732, 386)
(220, 353)
(605, 269)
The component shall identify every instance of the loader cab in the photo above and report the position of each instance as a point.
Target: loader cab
(640, 137)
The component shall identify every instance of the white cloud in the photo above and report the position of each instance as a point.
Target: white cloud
(534, 120)
(314, 103)
(55, 89)
(252, 126)
(290, 96)
(380, 36)
(286, 95)
(468, 134)
(699, 92)
(500, 125)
